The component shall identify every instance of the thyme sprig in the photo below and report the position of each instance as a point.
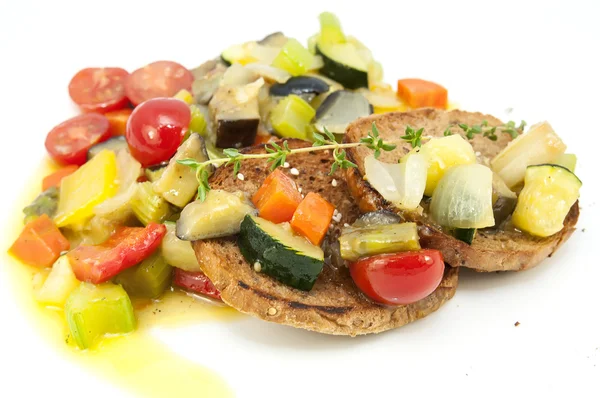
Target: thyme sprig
(489, 131)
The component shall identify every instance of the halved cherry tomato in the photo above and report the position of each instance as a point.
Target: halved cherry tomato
(68, 143)
(118, 121)
(158, 79)
(40, 243)
(99, 89)
(54, 179)
(400, 278)
(196, 282)
(125, 248)
(156, 128)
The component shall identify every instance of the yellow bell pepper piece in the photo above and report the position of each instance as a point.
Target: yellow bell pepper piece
(86, 188)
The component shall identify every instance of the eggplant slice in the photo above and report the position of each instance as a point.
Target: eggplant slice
(340, 109)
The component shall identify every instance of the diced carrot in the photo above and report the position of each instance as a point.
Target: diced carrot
(263, 139)
(418, 93)
(118, 121)
(40, 243)
(278, 198)
(312, 218)
(54, 179)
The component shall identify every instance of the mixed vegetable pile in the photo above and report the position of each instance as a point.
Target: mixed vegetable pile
(117, 219)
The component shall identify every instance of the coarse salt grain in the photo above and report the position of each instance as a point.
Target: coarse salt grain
(346, 225)
(272, 311)
(257, 267)
(286, 165)
(294, 171)
(477, 153)
(240, 177)
(334, 182)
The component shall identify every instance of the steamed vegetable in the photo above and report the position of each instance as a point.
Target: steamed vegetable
(443, 153)
(269, 73)
(331, 29)
(93, 311)
(418, 93)
(402, 183)
(503, 199)
(45, 203)
(54, 179)
(185, 96)
(40, 243)
(178, 183)
(343, 63)
(208, 78)
(300, 85)
(273, 249)
(463, 198)
(546, 199)
(379, 217)
(278, 198)
(539, 145)
(312, 218)
(383, 100)
(220, 214)
(340, 109)
(55, 288)
(197, 121)
(293, 58)
(89, 186)
(114, 144)
(125, 248)
(378, 239)
(148, 279)
(148, 206)
(291, 117)
(118, 121)
(178, 253)
(566, 160)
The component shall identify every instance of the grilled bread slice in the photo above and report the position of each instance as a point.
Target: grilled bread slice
(491, 250)
(334, 305)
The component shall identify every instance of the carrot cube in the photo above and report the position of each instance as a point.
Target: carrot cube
(312, 218)
(278, 198)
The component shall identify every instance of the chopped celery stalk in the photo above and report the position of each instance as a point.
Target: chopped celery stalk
(82, 191)
(567, 160)
(292, 116)
(93, 311)
(178, 253)
(149, 279)
(184, 96)
(331, 29)
(293, 58)
(197, 122)
(44, 203)
(57, 286)
(378, 239)
(147, 205)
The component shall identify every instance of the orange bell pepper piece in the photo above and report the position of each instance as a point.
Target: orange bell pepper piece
(54, 179)
(278, 198)
(418, 93)
(118, 121)
(40, 243)
(312, 218)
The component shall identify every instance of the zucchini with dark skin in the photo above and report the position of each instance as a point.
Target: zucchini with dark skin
(342, 71)
(464, 234)
(378, 239)
(273, 249)
(340, 109)
(112, 144)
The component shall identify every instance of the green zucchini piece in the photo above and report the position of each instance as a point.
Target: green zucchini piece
(93, 311)
(343, 63)
(178, 253)
(378, 239)
(464, 234)
(566, 160)
(147, 205)
(276, 251)
(149, 279)
(44, 203)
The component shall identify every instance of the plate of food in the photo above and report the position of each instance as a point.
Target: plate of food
(270, 207)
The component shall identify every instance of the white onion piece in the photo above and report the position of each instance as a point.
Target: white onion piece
(463, 198)
(261, 53)
(381, 99)
(237, 75)
(539, 145)
(269, 73)
(317, 63)
(402, 183)
(128, 171)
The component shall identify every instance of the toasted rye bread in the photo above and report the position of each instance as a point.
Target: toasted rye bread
(334, 305)
(491, 250)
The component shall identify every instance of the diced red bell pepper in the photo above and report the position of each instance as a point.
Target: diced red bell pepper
(125, 248)
(312, 218)
(196, 282)
(40, 243)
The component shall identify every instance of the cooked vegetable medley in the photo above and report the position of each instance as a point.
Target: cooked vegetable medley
(118, 219)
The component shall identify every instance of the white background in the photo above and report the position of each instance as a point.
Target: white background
(539, 58)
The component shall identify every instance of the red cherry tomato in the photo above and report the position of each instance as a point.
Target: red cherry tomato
(69, 142)
(400, 278)
(196, 282)
(158, 79)
(156, 128)
(99, 89)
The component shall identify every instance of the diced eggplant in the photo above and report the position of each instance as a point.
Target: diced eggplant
(504, 200)
(208, 77)
(340, 109)
(300, 85)
(276, 39)
(236, 133)
(112, 144)
(220, 215)
(44, 203)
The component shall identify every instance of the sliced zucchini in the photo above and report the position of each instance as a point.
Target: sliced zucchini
(44, 203)
(219, 215)
(546, 198)
(147, 205)
(340, 109)
(378, 239)
(112, 144)
(567, 160)
(276, 251)
(343, 63)
(149, 279)
(178, 183)
(503, 199)
(465, 234)
(178, 253)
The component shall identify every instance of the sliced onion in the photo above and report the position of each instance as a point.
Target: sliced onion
(340, 109)
(237, 75)
(263, 54)
(269, 73)
(463, 198)
(382, 99)
(402, 184)
(128, 171)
